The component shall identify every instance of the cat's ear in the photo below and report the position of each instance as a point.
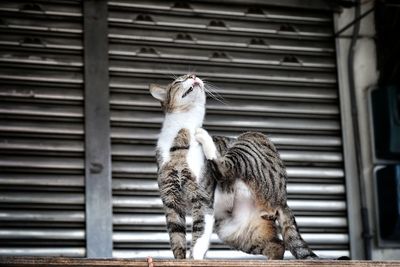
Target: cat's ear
(158, 92)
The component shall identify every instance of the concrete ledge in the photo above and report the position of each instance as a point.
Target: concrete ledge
(60, 262)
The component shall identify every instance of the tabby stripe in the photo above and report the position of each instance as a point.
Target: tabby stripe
(252, 249)
(175, 148)
(256, 164)
(246, 163)
(173, 173)
(238, 163)
(280, 163)
(269, 155)
(282, 181)
(176, 227)
(273, 168)
(199, 199)
(215, 170)
(198, 221)
(229, 160)
(255, 148)
(258, 158)
(199, 228)
(186, 173)
(271, 147)
(175, 208)
(272, 178)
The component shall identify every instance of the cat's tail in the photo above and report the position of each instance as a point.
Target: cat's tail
(291, 235)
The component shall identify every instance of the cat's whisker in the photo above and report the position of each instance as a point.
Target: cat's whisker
(215, 96)
(169, 74)
(211, 90)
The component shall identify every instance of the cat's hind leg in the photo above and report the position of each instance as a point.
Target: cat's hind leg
(265, 240)
(174, 207)
(201, 234)
(274, 248)
(203, 218)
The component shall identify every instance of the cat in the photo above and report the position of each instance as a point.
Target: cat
(245, 205)
(181, 165)
(251, 196)
(179, 191)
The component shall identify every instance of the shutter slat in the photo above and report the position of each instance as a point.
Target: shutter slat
(63, 234)
(42, 216)
(40, 251)
(53, 180)
(43, 128)
(42, 198)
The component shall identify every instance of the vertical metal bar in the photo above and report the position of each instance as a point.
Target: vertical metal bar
(350, 157)
(97, 131)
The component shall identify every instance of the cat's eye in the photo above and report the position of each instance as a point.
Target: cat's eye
(187, 92)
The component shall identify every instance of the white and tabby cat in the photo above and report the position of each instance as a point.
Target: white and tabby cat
(251, 196)
(246, 175)
(181, 165)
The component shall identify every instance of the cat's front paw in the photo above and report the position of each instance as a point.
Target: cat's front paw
(209, 149)
(201, 136)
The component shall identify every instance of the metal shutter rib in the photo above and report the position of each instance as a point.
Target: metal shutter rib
(41, 129)
(275, 68)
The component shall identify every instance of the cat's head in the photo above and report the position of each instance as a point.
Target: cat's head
(183, 94)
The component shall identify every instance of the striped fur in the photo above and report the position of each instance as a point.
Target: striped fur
(179, 192)
(250, 167)
(181, 165)
(245, 183)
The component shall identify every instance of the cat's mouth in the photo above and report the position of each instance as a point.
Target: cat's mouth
(197, 83)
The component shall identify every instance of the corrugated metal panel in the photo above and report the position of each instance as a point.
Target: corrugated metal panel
(275, 68)
(41, 129)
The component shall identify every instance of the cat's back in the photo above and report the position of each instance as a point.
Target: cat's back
(258, 141)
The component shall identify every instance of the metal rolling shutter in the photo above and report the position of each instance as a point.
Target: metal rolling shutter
(276, 69)
(41, 129)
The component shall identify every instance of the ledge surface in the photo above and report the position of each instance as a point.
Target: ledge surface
(75, 262)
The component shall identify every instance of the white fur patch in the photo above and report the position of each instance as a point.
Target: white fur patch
(203, 242)
(223, 202)
(244, 210)
(195, 159)
(173, 122)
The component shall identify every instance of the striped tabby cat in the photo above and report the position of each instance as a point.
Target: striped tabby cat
(181, 165)
(244, 181)
(251, 196)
